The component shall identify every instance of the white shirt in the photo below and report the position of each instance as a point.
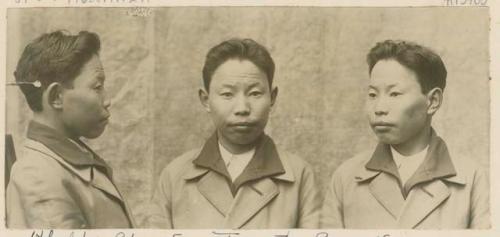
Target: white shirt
(407, 165)
(235, 163)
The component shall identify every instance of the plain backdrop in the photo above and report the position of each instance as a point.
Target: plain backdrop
(153, 71)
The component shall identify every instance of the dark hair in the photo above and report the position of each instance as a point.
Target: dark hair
(53, 57)
(238, 49)
(426, 64)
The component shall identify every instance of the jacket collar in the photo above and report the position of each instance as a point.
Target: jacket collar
(251, 191)
(75, 152)
(266, 162)
(437, 165)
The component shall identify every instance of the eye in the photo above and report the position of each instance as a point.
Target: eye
(372, 94)
(395, 94)
(256, 93)
(226, 95)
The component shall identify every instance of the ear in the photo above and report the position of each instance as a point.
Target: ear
(274, 95)
(434, 100)
(203, 95)
(55, 96)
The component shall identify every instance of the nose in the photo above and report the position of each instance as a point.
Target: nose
(380, 107)
(241, 107)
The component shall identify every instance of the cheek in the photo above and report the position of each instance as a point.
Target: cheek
(83, 103)
(415, 112)
(219, 110)
(262, 107)
(368, 109)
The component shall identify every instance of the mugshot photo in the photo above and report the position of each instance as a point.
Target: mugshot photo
(248, 118)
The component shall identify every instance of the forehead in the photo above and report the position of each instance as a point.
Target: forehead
(391, 72)
(236, 71)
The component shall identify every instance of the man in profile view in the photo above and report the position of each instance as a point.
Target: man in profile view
(58, 181)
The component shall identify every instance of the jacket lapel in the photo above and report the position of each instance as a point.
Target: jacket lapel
(385, 185)
(385, 188)
(214, 187)
(422, 201)
(250, 200)
(102, 182)
(436, 165)
(214, 181)
(424, 191)
(238, 202)
(258, 183)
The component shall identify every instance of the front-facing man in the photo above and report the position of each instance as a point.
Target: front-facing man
(411, 180)
(239, 178)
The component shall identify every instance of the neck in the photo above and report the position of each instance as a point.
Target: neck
(235, 148)
(415, 144)
(54, 123)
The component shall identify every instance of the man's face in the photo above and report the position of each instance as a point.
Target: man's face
(239, 101)
(85, 106)
(397, 108)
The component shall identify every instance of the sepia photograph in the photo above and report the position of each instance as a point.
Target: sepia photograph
(247, 117)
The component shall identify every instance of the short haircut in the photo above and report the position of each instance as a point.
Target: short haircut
(426, 64)
(243, 49)
(53, 57)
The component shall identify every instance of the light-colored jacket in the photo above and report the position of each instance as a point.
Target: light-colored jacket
(446, 192)
(48, 191)
(190, 195)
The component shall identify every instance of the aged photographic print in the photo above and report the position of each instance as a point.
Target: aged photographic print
(247, 117)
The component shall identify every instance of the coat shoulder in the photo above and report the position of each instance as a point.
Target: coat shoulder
(465, 164)
(467, 168)
(34, 163)
(37, 173)
(295, 161)
(350, 166)
(179, 165)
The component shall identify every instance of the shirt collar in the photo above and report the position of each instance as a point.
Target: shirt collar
(414, 159)
(228, 156)
(437, 163)
(264, 163)
(74, 152)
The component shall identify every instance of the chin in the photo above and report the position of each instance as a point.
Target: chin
(387, 139)
(244, 140)
(93, 135)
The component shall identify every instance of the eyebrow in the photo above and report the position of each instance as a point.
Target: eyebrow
(255, 84)
(375, 88)
(228, 85)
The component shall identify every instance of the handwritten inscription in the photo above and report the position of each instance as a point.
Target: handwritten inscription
(40, 233)
(140, 11)
(466, 2)
(322, 234)
(225, 234)
(50, 233)
(122, 234)
(77, 234)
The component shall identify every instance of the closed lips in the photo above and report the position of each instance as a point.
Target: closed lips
(382, 124)
(242, 124)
